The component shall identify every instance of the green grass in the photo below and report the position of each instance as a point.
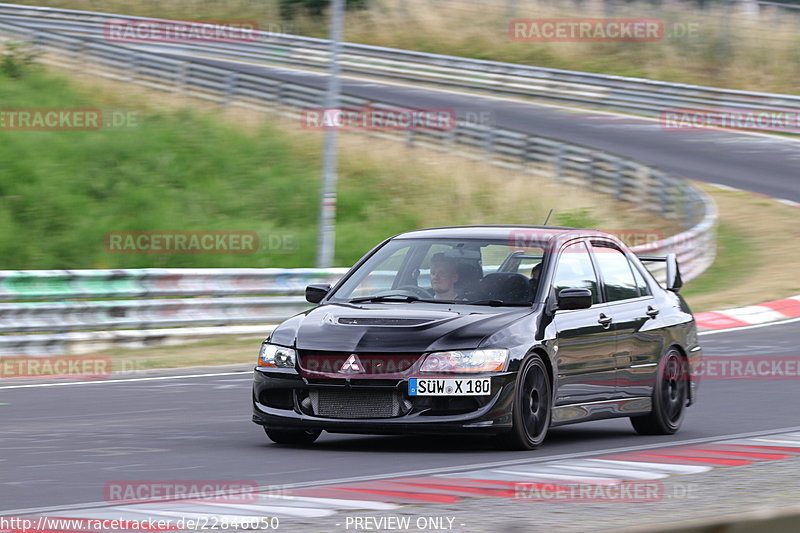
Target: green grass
(191, 167)
(737, 259)
(718, 46)
(62, 191)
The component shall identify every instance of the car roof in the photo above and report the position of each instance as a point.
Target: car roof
(510, 233)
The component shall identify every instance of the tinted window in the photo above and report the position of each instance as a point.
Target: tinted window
(644, 290)
(575, 270)
(403, 267)
(617, 275)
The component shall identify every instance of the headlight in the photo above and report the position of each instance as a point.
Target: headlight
(277, 356)
(466, 361)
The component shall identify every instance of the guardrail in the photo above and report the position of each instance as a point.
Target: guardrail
(95, 309)
(51, 312)
(643, 187)
(634, 95)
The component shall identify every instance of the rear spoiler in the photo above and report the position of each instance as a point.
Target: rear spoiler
(674, 281)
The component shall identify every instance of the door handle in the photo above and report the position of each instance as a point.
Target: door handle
(652, 312)
(604, 320)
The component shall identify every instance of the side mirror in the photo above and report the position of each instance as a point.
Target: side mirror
(574, 299)
(674, 281)
(315, 293)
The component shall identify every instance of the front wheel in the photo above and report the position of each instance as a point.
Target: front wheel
(292, 436)
(670, 396)
(531, 409)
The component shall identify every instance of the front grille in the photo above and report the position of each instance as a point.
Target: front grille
(355, 403)
(369, 363)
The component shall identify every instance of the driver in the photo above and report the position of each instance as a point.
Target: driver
(444, 275)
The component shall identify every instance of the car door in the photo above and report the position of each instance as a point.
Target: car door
(634, 315)
(584, 338)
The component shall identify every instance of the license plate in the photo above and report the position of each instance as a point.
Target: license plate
(450, 387)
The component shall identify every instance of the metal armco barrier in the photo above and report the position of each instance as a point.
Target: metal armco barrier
(634, 95)
(643, 187)
(50, 312)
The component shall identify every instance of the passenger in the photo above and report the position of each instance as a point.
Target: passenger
(444, 275)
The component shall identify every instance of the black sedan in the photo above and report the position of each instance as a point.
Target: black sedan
(503, 330)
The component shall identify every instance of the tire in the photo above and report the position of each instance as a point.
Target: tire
(670, 396)
(532, 407)
(292, 436)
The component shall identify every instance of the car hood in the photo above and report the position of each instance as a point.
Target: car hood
(394, 327)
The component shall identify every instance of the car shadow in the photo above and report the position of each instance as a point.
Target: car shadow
(601, 435)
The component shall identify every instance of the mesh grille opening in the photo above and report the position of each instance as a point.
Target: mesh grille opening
(355, 404)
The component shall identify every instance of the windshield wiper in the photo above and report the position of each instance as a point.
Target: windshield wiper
(498, 303)
(386, 297)
(397, 298)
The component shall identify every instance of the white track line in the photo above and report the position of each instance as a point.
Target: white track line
(104, 381)
(666, 468)
(790, 203)
(453, 470)
(611, 470)
(741, 328)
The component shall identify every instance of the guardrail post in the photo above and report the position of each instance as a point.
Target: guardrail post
(180, 82)
(83, 55)
(488, 140)
(590, 169)
(410, 138)
(230, 88)
(133, 61)
(452, 135)
(559, 163)
(619, 180)
(643, 181)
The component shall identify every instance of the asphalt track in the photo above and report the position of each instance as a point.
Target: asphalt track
(764, 164)
(59, 445)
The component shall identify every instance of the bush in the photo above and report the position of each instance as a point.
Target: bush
(17, 59)
(313, 8)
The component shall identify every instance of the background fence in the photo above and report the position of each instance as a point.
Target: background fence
(634, 95)
(132, 300)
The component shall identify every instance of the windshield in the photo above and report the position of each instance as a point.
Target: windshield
(479, 272)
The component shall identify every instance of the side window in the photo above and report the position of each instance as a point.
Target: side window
(575, 270)
(617, 275)
(644, 290)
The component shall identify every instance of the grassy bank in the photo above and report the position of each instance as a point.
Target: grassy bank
(757, 255)
(184, 166)
(719, 46)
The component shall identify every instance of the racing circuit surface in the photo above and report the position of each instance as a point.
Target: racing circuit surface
(766, 164)
(61, 444)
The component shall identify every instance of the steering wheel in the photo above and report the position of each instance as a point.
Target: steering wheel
(418, 291)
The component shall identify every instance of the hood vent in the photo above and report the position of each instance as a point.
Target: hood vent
(378, 321)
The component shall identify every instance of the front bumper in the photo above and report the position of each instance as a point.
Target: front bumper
(278, 397)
